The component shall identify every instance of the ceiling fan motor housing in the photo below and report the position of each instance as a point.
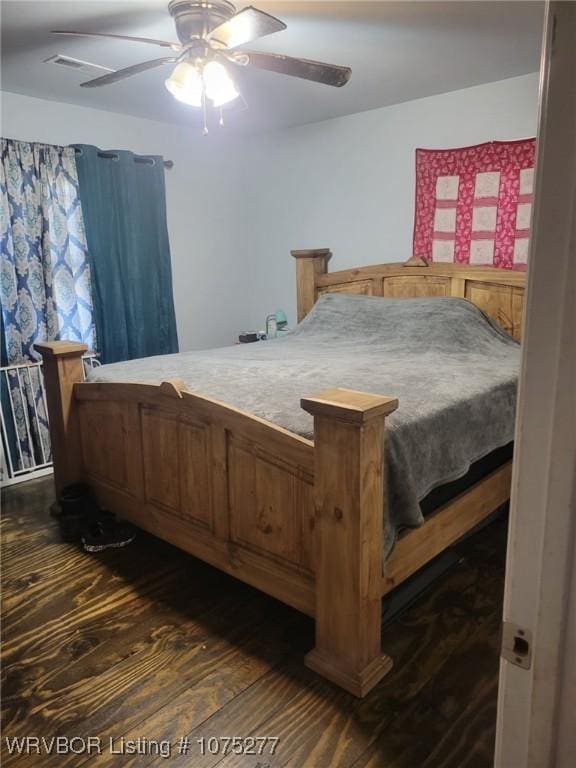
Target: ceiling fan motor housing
(196, 20)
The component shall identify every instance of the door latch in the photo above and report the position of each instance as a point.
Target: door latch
(516, 644)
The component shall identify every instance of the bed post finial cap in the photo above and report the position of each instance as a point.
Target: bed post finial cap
(349, 405)
(60, 348)
(313, 253)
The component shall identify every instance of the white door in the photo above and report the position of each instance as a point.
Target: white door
(536, 724)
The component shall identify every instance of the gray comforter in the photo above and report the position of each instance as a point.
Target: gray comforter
(453, 371)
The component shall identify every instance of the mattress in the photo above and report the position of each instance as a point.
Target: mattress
(453, 370)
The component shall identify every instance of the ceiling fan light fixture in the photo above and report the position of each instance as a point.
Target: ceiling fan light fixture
(220, 88)
(185, 84)
(212, 36)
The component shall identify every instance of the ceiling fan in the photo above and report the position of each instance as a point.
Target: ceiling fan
(211, 34)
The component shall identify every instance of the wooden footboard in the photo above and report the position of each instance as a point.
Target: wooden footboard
(299, 520)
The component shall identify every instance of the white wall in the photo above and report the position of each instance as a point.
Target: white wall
(348, 183)
(236, 207)
(205, 218)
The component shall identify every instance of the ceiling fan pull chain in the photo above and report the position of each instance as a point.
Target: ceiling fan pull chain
(221, 121)
(204, 114)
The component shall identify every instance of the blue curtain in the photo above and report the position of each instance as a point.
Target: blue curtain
(45, 279)
(124, 204)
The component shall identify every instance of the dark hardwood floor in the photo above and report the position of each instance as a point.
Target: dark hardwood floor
(149, 642)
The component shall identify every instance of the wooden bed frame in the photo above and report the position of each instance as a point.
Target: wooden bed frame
(301, 520)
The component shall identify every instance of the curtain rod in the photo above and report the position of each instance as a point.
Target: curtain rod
(137, 158)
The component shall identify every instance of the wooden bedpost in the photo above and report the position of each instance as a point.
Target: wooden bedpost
(349, 520)
(308, 265)
(63, 367)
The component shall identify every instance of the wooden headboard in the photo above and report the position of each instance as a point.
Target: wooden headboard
(498, 292)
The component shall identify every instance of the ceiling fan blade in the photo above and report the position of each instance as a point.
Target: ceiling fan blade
(121, 74)
(161, 43)
(246, 26)
(329, 74)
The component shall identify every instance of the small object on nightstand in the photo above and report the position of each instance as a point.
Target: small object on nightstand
(281, 320)
(276, 325)
(271, 326)
(248, 336)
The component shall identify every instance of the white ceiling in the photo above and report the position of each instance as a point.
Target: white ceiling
(398, 51)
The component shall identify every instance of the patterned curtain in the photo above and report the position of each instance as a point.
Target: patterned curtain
(45, 277)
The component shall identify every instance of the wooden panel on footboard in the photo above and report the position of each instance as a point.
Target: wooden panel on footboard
(227, 487)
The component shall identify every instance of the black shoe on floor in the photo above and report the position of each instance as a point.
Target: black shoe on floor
(107, 534)
(75, 499)
(77, 509)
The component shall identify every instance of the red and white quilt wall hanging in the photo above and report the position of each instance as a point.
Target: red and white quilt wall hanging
(473, 204)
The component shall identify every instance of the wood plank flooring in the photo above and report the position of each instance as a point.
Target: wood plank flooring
(149, 642)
